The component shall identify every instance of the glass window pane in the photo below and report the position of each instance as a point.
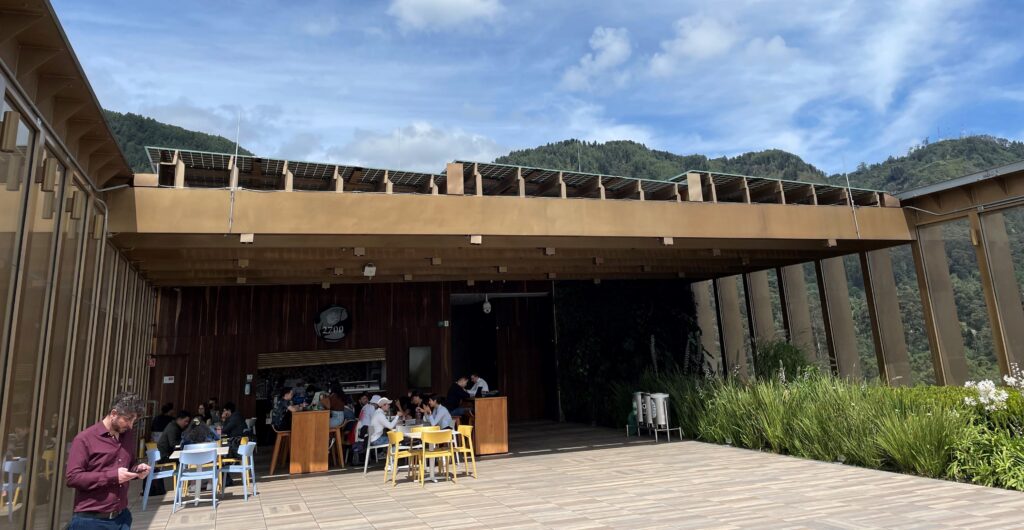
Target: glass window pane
(56, 356)
(101, 350)
(77, 416)
(13, 172)
(30, 303)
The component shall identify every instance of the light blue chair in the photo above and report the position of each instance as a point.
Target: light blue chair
(197, 465)
(13, 473)
(157, 472)
(245, 468)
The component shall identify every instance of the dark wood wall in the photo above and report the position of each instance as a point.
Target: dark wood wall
(208, 338)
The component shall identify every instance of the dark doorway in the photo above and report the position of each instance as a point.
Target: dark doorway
(474, 342)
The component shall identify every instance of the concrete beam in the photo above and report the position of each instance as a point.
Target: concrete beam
(1002, 292)
(730, 327)
(703, 293)
(886, 322)
(838, 317)
(796, 312)
(759, 306)
(939, 306)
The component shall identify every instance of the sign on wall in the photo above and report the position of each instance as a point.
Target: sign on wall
(168, 379)
(332, 323)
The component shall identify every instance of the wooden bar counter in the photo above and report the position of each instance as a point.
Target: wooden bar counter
(309, 441)
(490, 427)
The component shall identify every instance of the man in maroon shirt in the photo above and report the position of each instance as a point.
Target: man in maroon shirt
(101, 463)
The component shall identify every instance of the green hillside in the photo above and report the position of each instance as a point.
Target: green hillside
(632, 159)
(135, 132)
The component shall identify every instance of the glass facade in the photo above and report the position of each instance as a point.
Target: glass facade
(77, 318)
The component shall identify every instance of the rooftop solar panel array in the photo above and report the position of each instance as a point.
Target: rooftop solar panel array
(202, 170)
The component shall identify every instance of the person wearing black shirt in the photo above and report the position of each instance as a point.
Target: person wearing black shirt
(169, 440)
(160, 422)
(456, 393)
(234, 423)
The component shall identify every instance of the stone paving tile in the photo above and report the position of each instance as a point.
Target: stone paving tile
(575, 477)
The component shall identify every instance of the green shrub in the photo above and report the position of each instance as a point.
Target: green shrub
(918, 440)
(778, 359)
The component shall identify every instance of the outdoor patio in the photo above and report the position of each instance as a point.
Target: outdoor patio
(572, 476)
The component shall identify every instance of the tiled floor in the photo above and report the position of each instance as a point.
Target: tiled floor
(569, 476)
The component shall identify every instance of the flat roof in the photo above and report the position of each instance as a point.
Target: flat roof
(962, 181)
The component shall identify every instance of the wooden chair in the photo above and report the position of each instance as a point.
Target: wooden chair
(283, 440)
(339, 446)
(465, 448)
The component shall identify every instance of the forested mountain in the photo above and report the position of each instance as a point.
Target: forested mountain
(924, 164)
(135, 132)
(631, 159)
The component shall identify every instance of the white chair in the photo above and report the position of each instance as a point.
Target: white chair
(13, 472)
(197, 465)
(245, 468)
(157, 472)
(374, 449)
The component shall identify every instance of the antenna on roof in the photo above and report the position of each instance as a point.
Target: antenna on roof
(849, 198)
(238, 130)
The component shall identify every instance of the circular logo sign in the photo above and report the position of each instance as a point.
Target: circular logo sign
(331, 323)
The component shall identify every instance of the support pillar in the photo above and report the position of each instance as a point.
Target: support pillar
(939, 306)
(730, 327)
(999, 282)
(702, 296)
(886, 322)
(796, 312)
(759, 306)
(838, 317)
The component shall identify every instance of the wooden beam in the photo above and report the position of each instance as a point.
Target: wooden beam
(14, 22)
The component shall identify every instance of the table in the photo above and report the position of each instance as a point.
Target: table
(221, 451)
(310, 434)
(407, 431)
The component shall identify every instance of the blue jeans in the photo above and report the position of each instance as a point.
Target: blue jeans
(383, 440)
(458, 412)
(122, 522)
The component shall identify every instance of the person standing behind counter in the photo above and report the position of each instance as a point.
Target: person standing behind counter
(479, 387)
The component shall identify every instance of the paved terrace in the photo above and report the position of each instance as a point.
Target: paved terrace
(579, 477)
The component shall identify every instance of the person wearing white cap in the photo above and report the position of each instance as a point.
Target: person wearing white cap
(380, 421)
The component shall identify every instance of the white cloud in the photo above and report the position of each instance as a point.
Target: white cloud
(588, 122)
(697, 38)
(417, 147)
(441, 14)
(321, 26)
(611, 48)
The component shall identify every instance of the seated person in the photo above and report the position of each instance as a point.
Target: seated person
(380, 424)
(171, 437)
(197, 433)
(456, 394)
(166, 416)
(479, 386)
(233, 424)
(413, 404)
(434, 413)
(281, 418)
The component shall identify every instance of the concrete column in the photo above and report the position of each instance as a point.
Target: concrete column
(706, 321)
(886, 322)
(796, 312)
(730, 327)
(838, 316)
(1002, 293)
(759, 306)
(179, 174)
(939, 306)
(453, 183)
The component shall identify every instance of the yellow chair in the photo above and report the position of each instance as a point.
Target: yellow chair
(465, 447)
(396, 452)
(150, 445)
(437, 444)
(49, 458)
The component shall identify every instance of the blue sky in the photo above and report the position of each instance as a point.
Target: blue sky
(414, 83)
